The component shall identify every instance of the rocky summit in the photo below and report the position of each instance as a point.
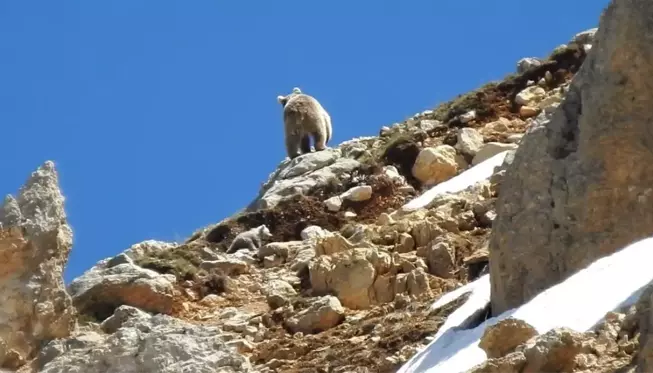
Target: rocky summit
(447, 243)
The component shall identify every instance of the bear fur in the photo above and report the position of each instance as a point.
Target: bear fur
(303, 118)
(251, 239)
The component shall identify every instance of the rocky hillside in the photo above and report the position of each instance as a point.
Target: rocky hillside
(528, 180)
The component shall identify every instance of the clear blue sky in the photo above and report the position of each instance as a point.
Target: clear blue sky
(161, 116)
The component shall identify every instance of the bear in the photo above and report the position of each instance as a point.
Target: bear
(303, 118)
(251, 239)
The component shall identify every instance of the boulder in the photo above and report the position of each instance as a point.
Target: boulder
(324, 313)
(145, 344)
(102, 289)
(581, 185)
(438, 164)
(35, 241)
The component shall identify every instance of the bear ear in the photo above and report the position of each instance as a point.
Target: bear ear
(281, 99)
(296, 90)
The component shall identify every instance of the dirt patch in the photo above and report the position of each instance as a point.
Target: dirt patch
(182, 261)
(285, 221)
(495, 100)
(369, 344)
(385, 197)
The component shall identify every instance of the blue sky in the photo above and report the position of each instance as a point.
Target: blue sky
(161, 116)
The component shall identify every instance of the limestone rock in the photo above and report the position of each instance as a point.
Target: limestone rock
(331, 244)
(350, 275)
(527, 63)
(228, 266)
(435, 165)
(278, 293)
(406, 243)
(299, 175)
(580, 185)
(121, 315)
(102, 289)
(530, 95)
(144, 344)
(334, 203)
(468, 116)
(469, 141)
(441, 259)
(491, 149)
(324, 313)
(417, 283)
(527, 111)
(503, 337)
(358, 193)
(35, 241)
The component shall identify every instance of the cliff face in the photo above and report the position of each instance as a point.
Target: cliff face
(581, 183)
(367, 235)
(35, 241)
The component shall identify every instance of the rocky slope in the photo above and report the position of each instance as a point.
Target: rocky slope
(366, 236)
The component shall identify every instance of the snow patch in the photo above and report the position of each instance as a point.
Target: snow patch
(578, 303)
(480, 172)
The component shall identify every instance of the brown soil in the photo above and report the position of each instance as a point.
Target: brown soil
(363, 346)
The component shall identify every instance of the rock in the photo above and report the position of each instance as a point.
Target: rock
(349, 275)
(121, 316)
(35, 241)
(500, 125)
(585, 37)
(527, 63)
(313, 232)
(503, 337)
(278, 293)
(441, 259)
(301, 174)
(119, 259)
(331, 244)
(158, 344)
(528, 111)
(469, 141)
(643, 318)
(417, 283)
(229, 266)
(358, 193)
(435, 165)
(334, 203)
(468, 117)
(591, 193)
(394, 175)
(324, 313)
(100, 290)
(515, 138)
(491, 149)
(147, 248)
(530, 95)
(280, 249)
(272, 261)
(406, 243)
(430, 124)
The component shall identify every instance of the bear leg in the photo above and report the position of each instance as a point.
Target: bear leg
(306, 144)
(292, 145)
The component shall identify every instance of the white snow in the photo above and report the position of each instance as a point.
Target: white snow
(480, 172)
(578, 303)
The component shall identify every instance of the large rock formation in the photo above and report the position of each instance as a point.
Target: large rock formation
(581, 183)
(139, 342)
(35, 241)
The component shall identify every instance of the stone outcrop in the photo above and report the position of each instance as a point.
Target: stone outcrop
(299, 175)
(143, 343)
(35, 241)
(581, 184)
(112, 283)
